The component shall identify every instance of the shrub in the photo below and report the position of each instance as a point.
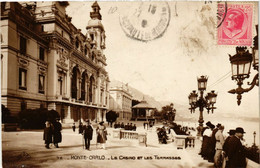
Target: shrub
(6, 116)
(36, 118)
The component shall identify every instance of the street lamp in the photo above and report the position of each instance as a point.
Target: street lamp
(207, 102)
(241, 64)
(254, 138)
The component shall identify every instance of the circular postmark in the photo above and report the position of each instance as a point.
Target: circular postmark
(146, 21)
(222, 12)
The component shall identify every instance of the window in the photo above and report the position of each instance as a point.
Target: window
(86, 51)
(41, 83)
(92, 37)
(60, 85)
(41, 53)
(22, 45)
(77, 44)
(22, 78)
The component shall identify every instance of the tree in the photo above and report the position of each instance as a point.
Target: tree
(111, 117)
(168, 112)
(36, 118)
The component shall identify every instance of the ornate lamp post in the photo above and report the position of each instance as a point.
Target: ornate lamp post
(207, 102)
(241, 64)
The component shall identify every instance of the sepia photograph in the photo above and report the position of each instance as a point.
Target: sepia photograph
(129, 84)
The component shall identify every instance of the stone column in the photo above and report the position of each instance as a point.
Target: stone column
(68, 118)
(79, 88)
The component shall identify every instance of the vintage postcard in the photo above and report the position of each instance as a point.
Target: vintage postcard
(149, 84)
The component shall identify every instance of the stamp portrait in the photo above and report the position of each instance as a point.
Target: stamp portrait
(236, 28)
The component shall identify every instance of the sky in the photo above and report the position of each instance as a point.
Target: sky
(167, 67)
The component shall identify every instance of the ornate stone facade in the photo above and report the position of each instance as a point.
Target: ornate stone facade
(120, 101)
(47, 62)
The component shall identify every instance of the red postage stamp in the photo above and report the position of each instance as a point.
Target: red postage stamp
(236, 26)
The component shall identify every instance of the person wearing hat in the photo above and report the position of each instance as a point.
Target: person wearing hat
(213, 143)
(101, 134)
(57, 137)
(226, 145)
(219, 147)
(231, 133)
(47, 134)
(87, 133)
(236, 152)
(206, 139)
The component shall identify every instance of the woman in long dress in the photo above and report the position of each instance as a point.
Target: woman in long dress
(101, 134)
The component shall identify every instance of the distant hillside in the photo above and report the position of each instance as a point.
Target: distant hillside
(182, 110)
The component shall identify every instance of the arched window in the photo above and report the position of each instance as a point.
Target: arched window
(83, 86)
(91, 89)
(74, 83)
(77, 43)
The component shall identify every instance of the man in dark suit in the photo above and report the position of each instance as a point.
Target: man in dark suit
(226, 145)
(88, 133)
(235, 151)
(57, 137)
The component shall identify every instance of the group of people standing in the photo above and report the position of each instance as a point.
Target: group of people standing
(87, 132)
(129, 127)
(224, 152)
(52, 133)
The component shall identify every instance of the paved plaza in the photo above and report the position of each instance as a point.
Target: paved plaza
(26, 149)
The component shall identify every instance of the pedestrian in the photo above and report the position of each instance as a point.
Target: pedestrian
(134, 127)
(213, 144)
(150, 124)
(236, 152)
(115, 125)
(144, 125)
(130, 127)
(162, 136)
(101, 134)
(73, 127)
(219, 147)
(80, 127)
(206, 140)
(127, 126)
(225, 147)
(122, 125)
(57, 137)
(87, 133)
(47, 134)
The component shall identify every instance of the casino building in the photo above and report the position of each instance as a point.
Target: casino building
(47, 62)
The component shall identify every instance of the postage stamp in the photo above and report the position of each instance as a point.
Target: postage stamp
(235, 27)
(146, 21)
